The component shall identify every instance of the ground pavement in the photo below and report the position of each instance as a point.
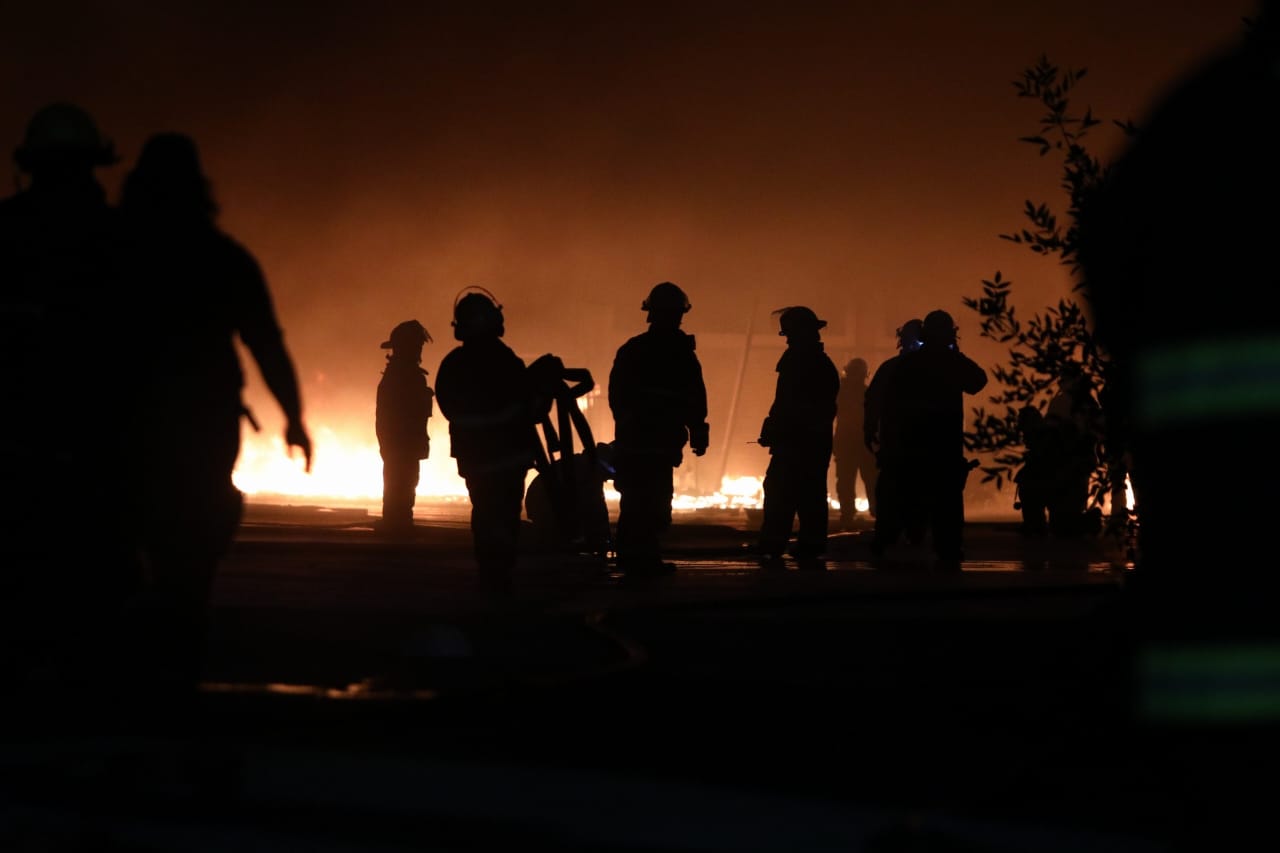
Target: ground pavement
(360, 695)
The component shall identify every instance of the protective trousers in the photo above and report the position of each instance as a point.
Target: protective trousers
(646, 484)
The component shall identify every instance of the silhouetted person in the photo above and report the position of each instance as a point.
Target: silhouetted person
(484, 391)
(1178, 258)
(66, 527)
(659, 405)
(402, 411)
(853, 458)
(1074, 422)
(927, 389)
(1036, 475)
(798, 433)
(898, 508)
(199, 290)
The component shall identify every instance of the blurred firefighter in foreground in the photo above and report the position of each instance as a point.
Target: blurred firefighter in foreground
(659, 405)
(854, 459)
(485, 393)
(402, 410)
(898, 511)
(199, 290)
(926, 392)
(65, 424)
(1189, 208)
(798, 433)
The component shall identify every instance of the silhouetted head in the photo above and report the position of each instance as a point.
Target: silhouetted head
(1029, 418)
(477, 314)
(407, 338)
(1071, 376)
(856, 369)
(667, 304)
(796, 322)
(939, 329)
(62, 137)
(910, 334)
(168, 180)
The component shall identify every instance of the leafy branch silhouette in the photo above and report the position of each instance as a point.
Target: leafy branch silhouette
(1040, 346)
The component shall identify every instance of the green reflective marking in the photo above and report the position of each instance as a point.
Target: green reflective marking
(1206, 380)
(1225, 683)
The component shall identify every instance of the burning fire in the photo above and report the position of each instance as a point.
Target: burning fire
(349, 470)
(346, 467)
(342, 469)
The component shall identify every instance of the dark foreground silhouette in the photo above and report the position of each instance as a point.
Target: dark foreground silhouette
(147, 434)
(1189, 208)
(196, 291)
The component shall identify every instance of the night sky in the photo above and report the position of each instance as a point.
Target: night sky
(860, 158)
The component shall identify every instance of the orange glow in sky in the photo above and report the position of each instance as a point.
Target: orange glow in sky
(860, 158)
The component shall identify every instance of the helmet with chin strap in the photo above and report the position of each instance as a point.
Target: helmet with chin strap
(667, 297)
(477, 314)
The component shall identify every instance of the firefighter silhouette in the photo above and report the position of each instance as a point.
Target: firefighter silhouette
(798, 433)
(854, 460)
(899, 511)
(1074, 425)
(485, 392)
(926, 392)
(201, 292)
(403, 408)
(1034, 479)
(659, 404)
(65, 431)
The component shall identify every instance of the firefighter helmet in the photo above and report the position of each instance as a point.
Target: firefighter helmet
(939, 328)
(476, 313)
(666, 296)
(910, 334)
(63, 133)
(798, 320)
(407, 335)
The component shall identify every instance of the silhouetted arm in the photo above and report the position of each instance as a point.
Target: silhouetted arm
(699, 429)
(261, 334)
(970, 375)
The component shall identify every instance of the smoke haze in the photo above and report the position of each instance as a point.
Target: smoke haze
(859, 158)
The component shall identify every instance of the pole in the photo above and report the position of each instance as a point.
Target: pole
(737, 392)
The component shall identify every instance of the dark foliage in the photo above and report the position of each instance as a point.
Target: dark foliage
(1041, 345)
